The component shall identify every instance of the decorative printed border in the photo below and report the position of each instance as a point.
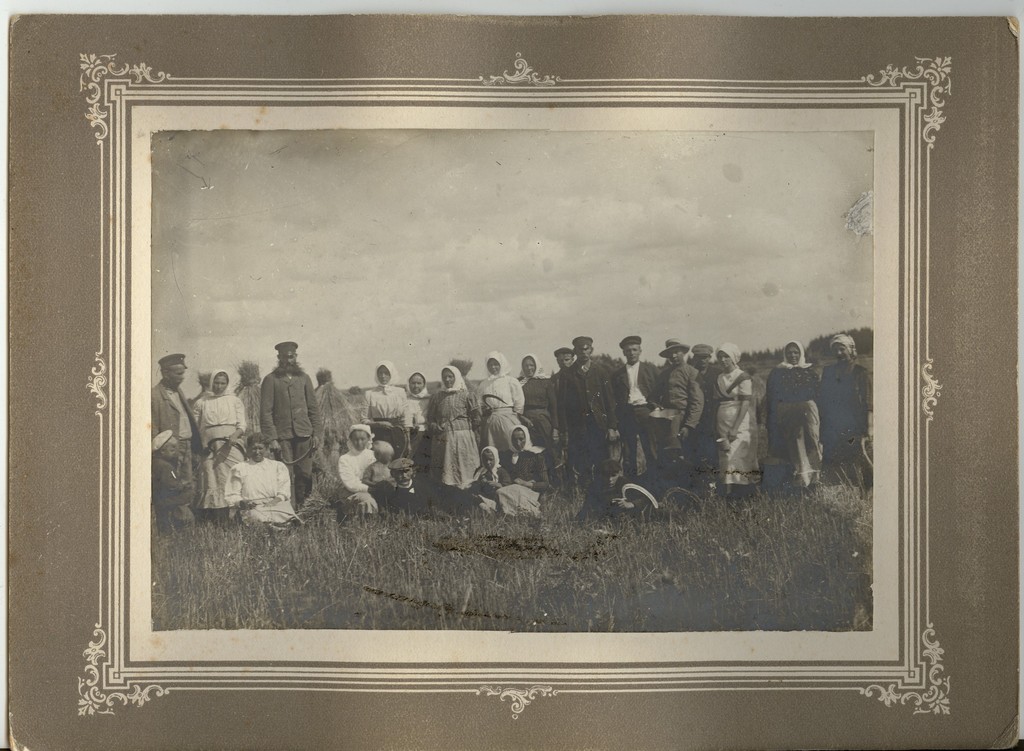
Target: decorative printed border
(111, 88)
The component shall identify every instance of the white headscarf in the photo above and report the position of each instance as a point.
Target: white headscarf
(529, 443)
(482, 470)
(213, 377)
(538, 374)
(802, 362)
(732, 350)
(502, 361)
(844, 339)
(460, 382)
(423, 394)
(387, 389)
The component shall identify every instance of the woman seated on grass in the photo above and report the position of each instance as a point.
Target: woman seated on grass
(526, 464)
(260, 488)
(497, 492)
(351, 466)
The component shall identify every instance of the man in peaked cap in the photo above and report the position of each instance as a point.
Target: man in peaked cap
(586, 410)
(290, 418)
(170, 412)
(633, 387)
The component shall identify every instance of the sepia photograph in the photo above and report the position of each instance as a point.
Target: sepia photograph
(516, 380)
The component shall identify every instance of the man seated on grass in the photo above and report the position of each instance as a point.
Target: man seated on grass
(172, 488)
(606, 496)
(416, 495)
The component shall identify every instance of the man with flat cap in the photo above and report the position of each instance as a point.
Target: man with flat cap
(633, 388)
(170, 412)
(681, 399)
(586, 409)
(290, 418)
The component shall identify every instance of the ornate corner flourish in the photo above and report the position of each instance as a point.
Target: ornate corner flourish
(93, 699)
(97, 381)
(520, 697)
(930, 390)
(933, 696)
(524, 75)
(94, 69)
(933, 70)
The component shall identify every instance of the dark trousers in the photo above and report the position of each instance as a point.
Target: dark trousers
(301, 471)
(588, 447)
(635, 430)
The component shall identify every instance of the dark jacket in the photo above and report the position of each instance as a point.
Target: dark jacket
(531, 467)
(586, 393)
(679, 388)
(288, 408)
(168, 489)
(166, 416)
(646, 379)
(426, 498)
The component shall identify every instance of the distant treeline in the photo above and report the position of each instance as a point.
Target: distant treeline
(817, 348)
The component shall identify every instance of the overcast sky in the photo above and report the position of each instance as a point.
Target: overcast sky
(416, 246)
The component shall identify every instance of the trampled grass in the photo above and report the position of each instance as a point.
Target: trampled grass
(767, 563)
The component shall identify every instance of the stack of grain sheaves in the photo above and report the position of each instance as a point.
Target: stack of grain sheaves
(248, 390)
(339, 411)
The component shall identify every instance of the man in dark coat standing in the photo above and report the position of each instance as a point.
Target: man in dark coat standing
(633, 386)
(587, 411)
(170, 411)
(704, 462)
(290, 418)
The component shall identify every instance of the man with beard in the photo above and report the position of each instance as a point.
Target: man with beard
(587, 411)
(290, 418)
(170, 411)
(633, 386)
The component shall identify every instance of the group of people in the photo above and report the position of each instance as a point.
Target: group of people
(499, 447)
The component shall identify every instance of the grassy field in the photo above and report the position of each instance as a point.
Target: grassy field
(767, 563)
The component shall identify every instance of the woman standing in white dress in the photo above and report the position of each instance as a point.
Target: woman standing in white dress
(501, 401)
(221, 420)
(737, 440)
(385, 408)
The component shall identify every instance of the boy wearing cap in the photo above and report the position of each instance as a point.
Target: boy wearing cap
(633, 387)
(290, 418)
(606, 496)
(682, 398)
(172, 493)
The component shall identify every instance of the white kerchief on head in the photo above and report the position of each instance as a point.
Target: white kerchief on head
(390, 367)
(539, 372)
(423, 394)
(460, 382)
(529, 444)
(502, 361)
(213, 377)
(732, 350)
(802, 362)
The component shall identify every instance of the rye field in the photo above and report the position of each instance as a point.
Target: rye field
(702, 564)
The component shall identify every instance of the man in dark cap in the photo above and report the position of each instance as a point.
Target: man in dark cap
(290, 418)
(704, 461)
(564, 356)
(587, 411)
(415, 494)
(633, 386)
(170, 412)
(682, 401)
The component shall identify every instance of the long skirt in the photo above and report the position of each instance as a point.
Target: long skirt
(737, 462)
(512, 500)
(794, 442)
(496, 428)
(276, 513)
(217, 467)
(541, 430)
(454, 457)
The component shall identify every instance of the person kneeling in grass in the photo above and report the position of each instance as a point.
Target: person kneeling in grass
(608, 496)
(260, 488)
